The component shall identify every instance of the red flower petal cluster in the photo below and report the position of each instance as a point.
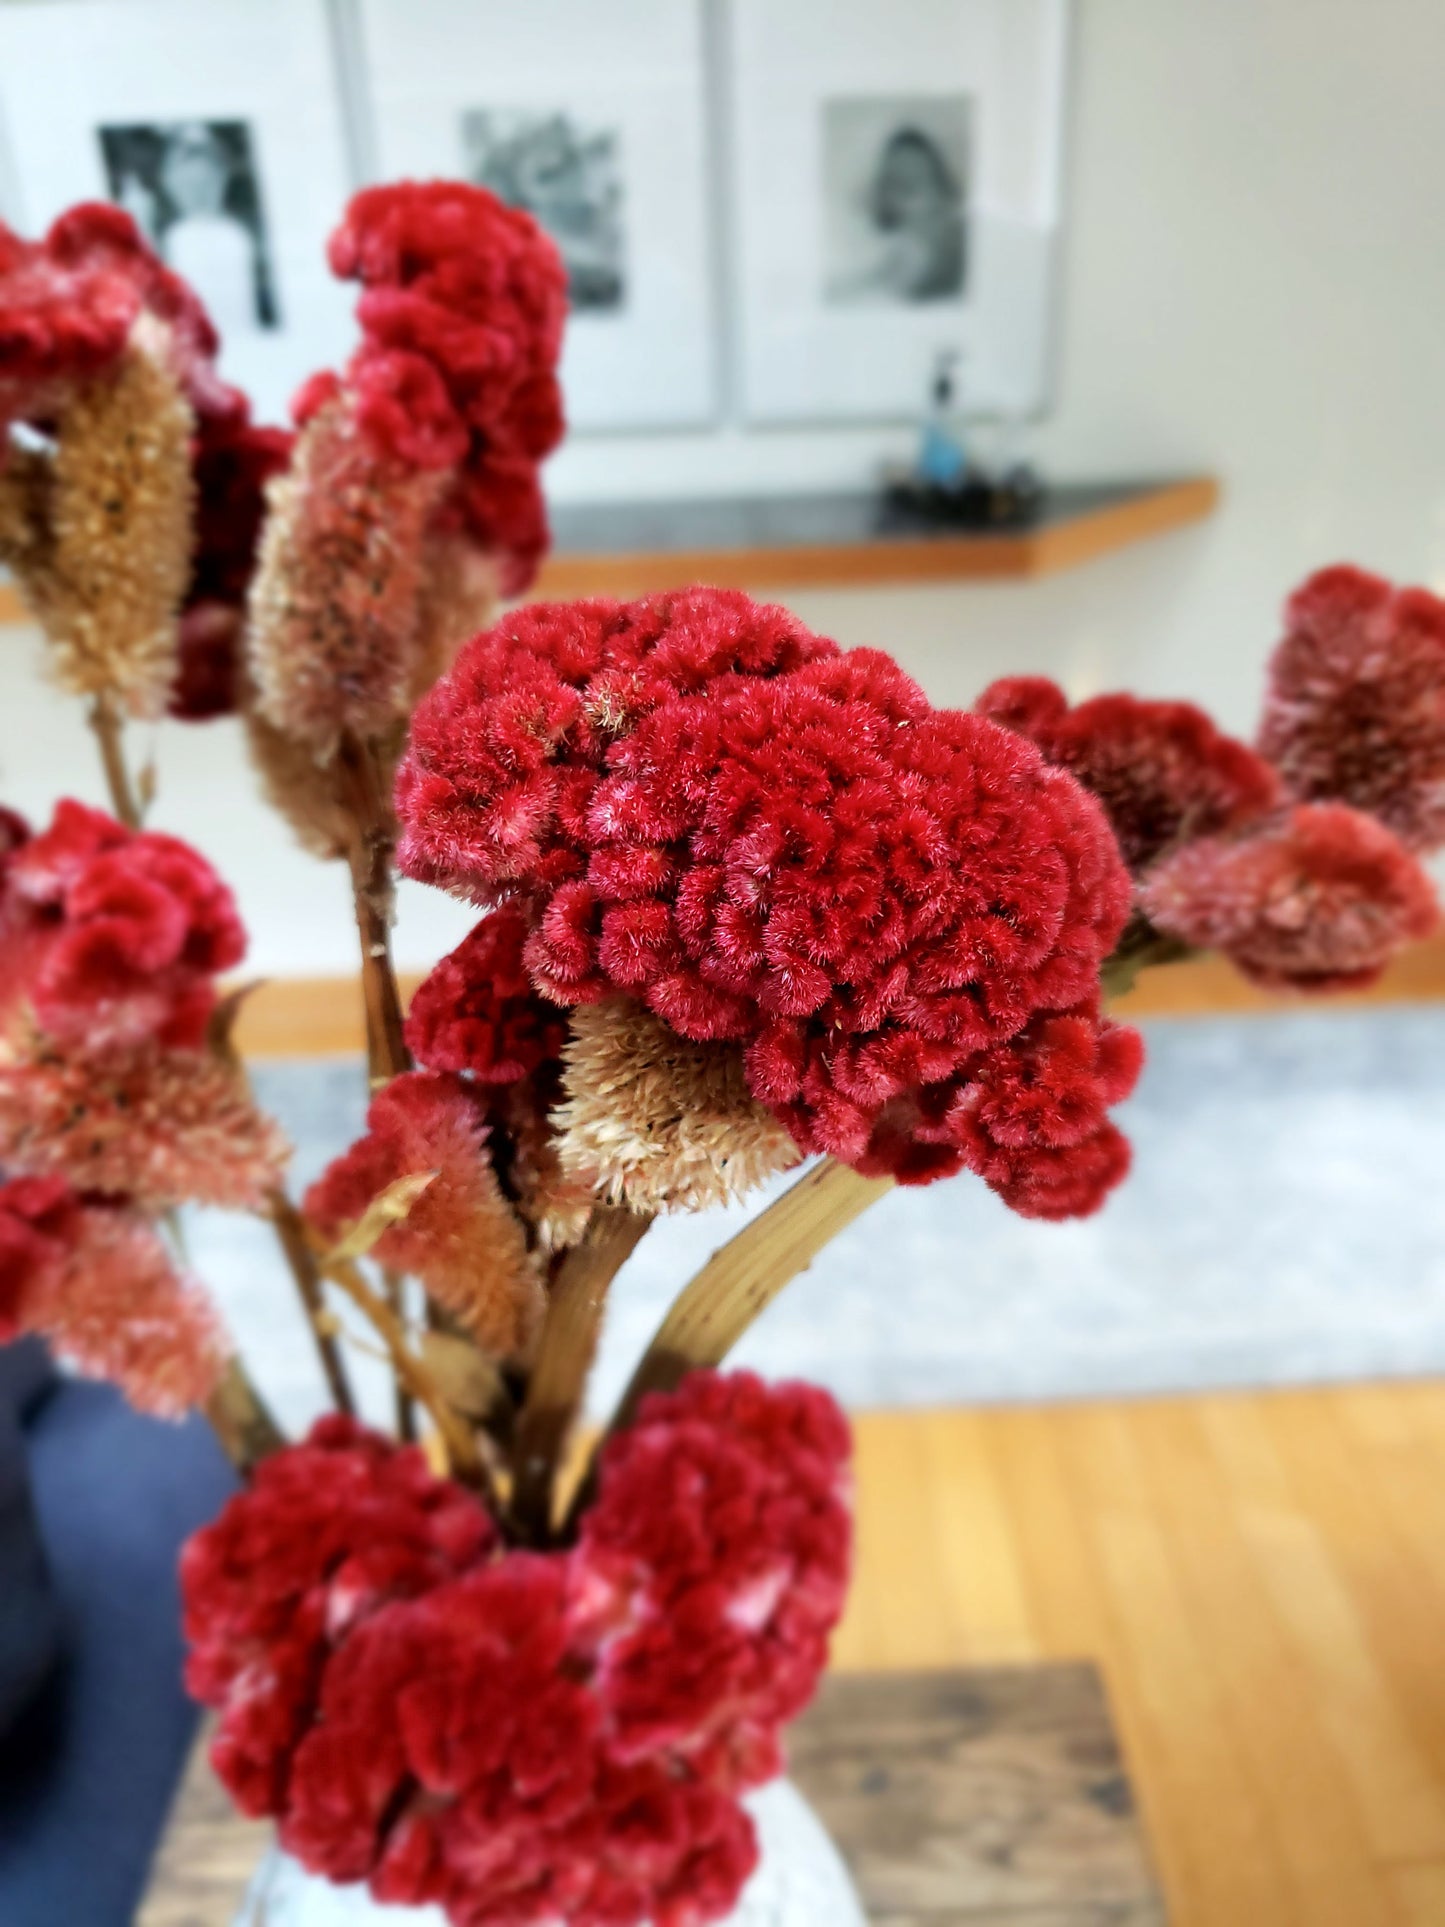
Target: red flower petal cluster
(1162, 770)
(1355, 709)
(705, 807)
(234, 459)
(522, 1738)
(477, 1012)
(1318, 899)
(69, 302)
(120, 932)
(461, 315)
(95, 1280)
(459, 1237)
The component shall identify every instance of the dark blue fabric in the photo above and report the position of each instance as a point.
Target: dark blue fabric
(87, 1774)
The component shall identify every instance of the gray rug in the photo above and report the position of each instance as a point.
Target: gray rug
(1285, 1222)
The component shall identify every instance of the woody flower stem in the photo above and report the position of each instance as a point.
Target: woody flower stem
(564, 1358)
(107, 727)
(291, 1233)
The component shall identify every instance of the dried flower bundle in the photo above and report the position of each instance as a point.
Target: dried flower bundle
(748, 897)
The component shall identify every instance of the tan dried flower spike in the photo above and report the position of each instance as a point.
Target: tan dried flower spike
(657, 1122)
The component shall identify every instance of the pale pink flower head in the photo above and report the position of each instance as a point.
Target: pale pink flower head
(1319, 899)
(1355, 708)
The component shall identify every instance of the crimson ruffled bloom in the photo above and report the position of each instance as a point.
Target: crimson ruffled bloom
(68, 304)
(701, 805)
(119, 933)
(460, 1237)
(477, 1012)
(96, 1282)
(517, 1737)
(1320, 899)
(461, 314)
(1355, 710)
(1162, 770)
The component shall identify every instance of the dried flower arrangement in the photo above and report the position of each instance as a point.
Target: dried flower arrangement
(747, 898)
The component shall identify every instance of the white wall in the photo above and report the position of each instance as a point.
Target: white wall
(1254, 284)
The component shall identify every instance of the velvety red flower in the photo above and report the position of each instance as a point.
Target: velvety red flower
(1319, 899)
(477, 1011)
(705, 808)
(67, 307)
(325, 1536)
(461, 316)
(1355, 709)
(126, 931)
(522, 1738)
(460, 1237)
(1162, 770)
(96, 1281)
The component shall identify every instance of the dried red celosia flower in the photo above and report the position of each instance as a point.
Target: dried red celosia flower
(705, 807)
(1356, 704)
(461, 317)
(1162, 770)
(96, 1281)
(519, 1737)
(120, 932)
(159, 1127)
(69, 302)
(1319, 899)
(477, 1011)
(460, 1237)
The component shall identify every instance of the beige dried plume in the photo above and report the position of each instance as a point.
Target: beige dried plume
(657, 1122)
(99, 532)
(336, 605)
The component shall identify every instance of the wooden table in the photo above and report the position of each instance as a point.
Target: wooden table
(992, 1798)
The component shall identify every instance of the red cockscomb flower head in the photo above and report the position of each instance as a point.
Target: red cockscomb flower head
(1355, 709)
(129, 929)
(477, 1011)
(68, 304)
(327, 1534)
(768, 843)
(1162, 770)
(461, 314)
(1321, 899)
(234, 459)
(460, 1237)
(97, 1283)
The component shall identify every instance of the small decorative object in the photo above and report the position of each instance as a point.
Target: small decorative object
(745, 899)
(946, 485)
(594, 120)
(895, 176)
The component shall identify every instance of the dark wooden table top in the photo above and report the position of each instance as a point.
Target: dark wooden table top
(994, 1798)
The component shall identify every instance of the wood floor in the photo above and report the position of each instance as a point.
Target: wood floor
(1262, 1579)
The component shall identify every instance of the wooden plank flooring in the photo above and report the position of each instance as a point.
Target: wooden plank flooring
(1261, 1578)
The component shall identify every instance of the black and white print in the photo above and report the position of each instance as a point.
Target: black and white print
(567, 173)
(895, 192)
(193, 188)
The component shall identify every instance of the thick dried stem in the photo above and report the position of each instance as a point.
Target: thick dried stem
(461, 1448)
(361, 786)
(564, 1357)
(291, 1232)
(395, 1288)
(108, 727)
(241, 1422)
(743, 1278)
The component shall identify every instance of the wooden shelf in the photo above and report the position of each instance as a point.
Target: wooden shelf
(833, 541)
(847, 541)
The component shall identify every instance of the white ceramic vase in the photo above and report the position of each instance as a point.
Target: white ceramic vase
(800, 1882)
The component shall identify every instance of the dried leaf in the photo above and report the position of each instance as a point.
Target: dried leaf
(387, 1208)
(466, 1378)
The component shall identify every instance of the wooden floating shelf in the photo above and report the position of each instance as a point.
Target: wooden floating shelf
(848, 541)
(833, 541)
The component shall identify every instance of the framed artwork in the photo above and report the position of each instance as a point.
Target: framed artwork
(593, 118)
(895, 176)
(219, 127)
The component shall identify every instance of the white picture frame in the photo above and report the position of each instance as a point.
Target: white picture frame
(596, 117)
(895, 175)
(220, 125)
